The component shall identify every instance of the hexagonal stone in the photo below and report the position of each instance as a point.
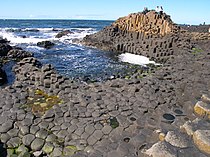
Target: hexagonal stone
(57, 152)
(79, 131)
(37, 144)
(92, 140)
(37, 153)
(44, 125)
(34, 129)
(51, 138)
(89, 129)
(27, 122)
(24, 130)
(14, 142)
(5, 137)
(98, 134)
(106, 129)
(70, 150)
(48, 114)
(27, 139)
(72, 128)
(177, 139)
(48, 148)
(21, 149)
(62, 134)
(13, 132)
(6, 127)
(202, 140)
(42, 133)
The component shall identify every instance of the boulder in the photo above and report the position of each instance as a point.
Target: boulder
(4, 49)
(3, 41)
(19, 54)
(202, 109)
(161, 149)
(45, 44)
(3, 77)
(63, 33)
(202, 140)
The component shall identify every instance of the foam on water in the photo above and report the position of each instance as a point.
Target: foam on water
(135, 59)
(19, 40)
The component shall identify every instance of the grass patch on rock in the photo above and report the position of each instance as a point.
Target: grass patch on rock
(39, 101)
(196, 51)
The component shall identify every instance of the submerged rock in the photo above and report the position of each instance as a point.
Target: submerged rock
(63, 33)
(45, 44)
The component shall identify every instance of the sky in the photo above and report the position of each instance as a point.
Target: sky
(181, 11)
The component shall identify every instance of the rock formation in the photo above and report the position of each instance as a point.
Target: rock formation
(45, 44)
(152, 34)
(151, 23)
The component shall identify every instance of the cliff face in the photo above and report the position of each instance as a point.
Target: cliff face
(151, 34)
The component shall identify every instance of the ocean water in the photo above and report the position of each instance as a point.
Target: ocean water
(67, 56)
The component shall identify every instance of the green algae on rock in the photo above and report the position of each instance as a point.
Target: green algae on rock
(113, 122)
(39, 101)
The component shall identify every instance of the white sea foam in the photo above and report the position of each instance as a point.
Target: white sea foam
(135, 59)
(43, 34)
(19, 40)
(76, 35)
(34, 48)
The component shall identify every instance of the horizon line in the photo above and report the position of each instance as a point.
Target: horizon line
(54, 19)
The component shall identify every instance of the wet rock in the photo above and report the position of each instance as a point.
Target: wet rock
(63, 33)
(19, 54)
(4, 49)
(3, 77)
(3, 41)
(45, 44)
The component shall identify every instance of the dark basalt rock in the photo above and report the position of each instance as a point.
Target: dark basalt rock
(63, 33)
(45, 44)
(19, 54)
(133, 35)
(4, 49)
(3, 41)
(3, 77)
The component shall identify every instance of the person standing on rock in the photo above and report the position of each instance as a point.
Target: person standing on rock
(161, 10)
(157, 9)
(145, 10)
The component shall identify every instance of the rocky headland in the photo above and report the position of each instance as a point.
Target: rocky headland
(163, 114)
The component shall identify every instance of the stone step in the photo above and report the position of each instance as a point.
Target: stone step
(202, 109)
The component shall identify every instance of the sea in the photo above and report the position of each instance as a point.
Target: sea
(69, 58)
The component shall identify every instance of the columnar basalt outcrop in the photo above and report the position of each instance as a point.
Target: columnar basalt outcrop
(152, 34)
(151, 23)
